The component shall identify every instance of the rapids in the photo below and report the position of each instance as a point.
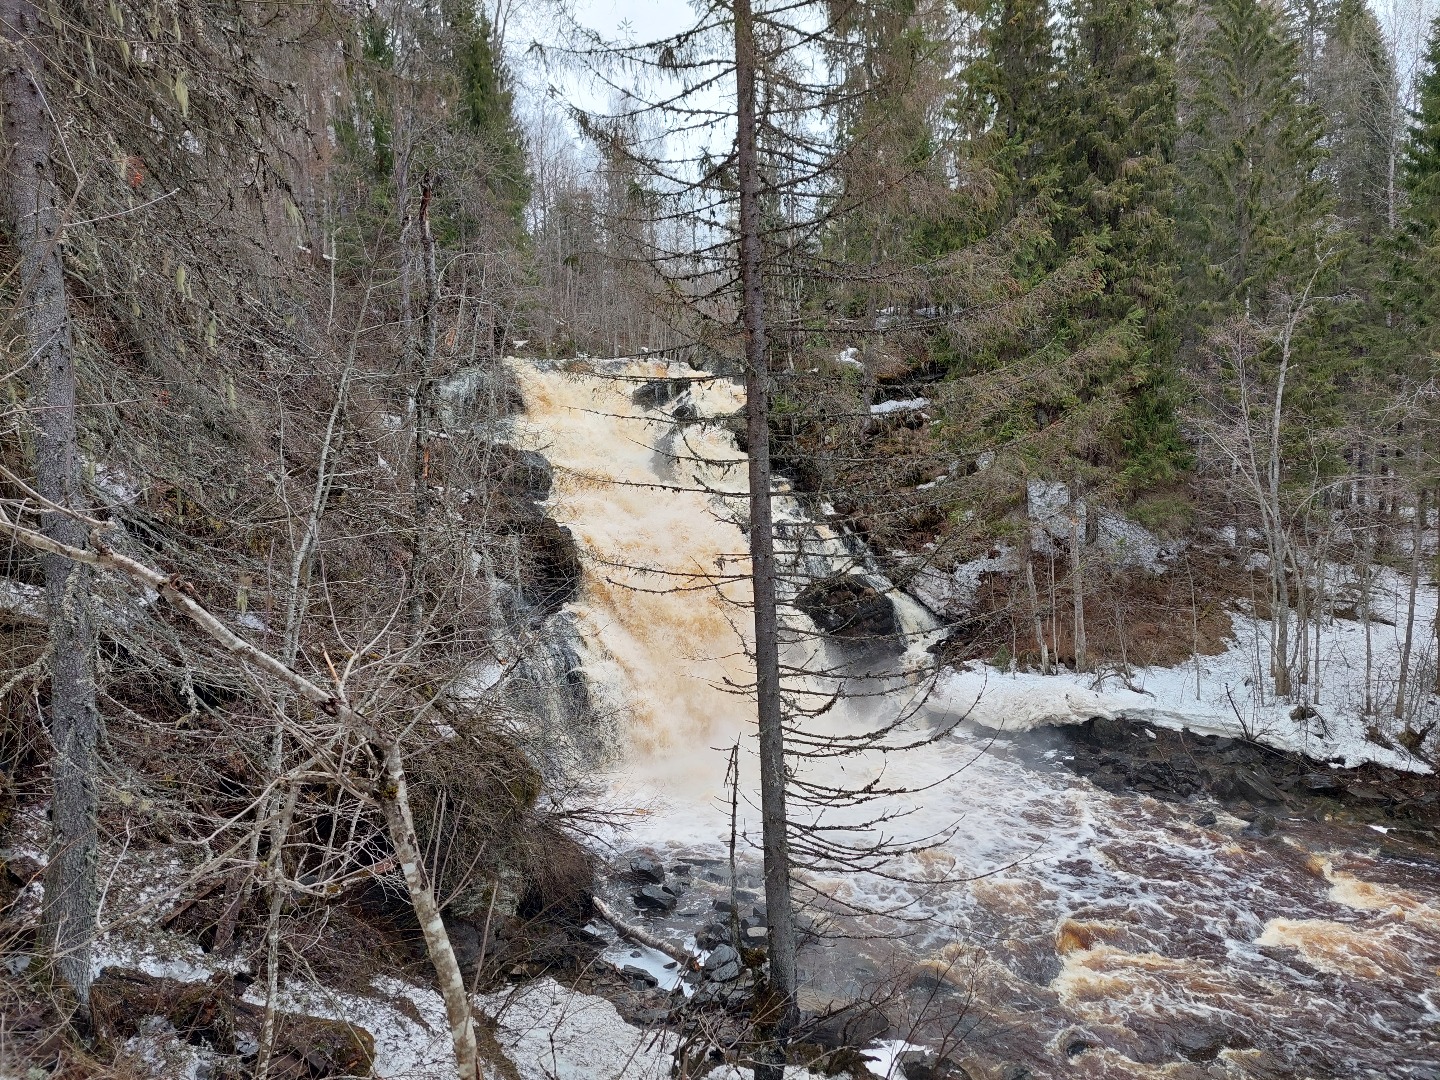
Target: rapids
(1050, 928)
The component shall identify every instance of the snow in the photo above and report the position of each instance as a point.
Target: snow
(850, 357)
(408, 1024)
(1123, 543)
(954, 591)
(18, 598)
(1229, 694)
(554, 1033)
(474, 685)
(883, 1059)
(904, 405)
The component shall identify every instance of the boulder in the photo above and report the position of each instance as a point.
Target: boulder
(647, 870)
(655, 898)
(847, 606)
(855, 1024)
(640, 979)
(722, 965)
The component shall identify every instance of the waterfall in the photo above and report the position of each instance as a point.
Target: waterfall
(648, 476)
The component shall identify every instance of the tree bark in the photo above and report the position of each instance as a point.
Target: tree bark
(780, 1015)
(423, 389)
(70, 890)
(1422, 511)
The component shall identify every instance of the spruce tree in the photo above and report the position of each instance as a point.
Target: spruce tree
(1419, 227)
(1116, 179)
(1252, 196)
(1358, 95)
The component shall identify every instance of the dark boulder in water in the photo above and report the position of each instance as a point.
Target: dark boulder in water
(848, 606)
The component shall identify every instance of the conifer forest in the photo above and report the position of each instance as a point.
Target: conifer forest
(678, 539)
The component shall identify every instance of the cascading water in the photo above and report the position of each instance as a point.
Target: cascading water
(1065, 931)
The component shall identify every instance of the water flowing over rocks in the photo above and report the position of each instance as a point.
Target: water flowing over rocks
(1115, 900)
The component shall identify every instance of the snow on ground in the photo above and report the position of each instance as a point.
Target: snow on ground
(954, 590)
(903, 405)
(1123, 543)
(553, 1033)
(1230, 694)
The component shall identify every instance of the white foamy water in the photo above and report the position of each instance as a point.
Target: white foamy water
(1051, 926)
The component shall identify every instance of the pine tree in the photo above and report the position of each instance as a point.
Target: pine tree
(487, 107)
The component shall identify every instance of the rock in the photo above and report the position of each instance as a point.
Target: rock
(707, 937)
(647, 870)
(655, 898)
(639, 978)
(659, 392)
(1109, 733)
(923, 1065)
(1207, 819)
(855, 1024)
(1263, 825)
(1200, 1042)
(523, 473)
(1321, 781)
(550, 563)
(725, 907)
(756, 935)
(722, 965)
(1255, 787)
(848, 606)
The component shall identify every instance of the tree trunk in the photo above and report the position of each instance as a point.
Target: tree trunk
(423, 387)
(1416, 557)
(395, 803)
(1077, 589)
(777, 1019)
(70, 891)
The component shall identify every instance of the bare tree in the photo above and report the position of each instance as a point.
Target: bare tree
(38, 218)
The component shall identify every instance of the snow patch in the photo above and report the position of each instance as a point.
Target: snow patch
(904, 405)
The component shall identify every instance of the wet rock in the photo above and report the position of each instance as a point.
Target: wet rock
(647, 870)
(1263, 825)
(1207, 819)
(855, 1024)
(722, 965)
(659, 392)
(639, 978)
(755, 935)
(1320, 781)
(848, 606)
(1200, 1042)
(1108, 779)
(550, 563)
(655, 898)
(1107, 732)
(923, 1065)
(527, 474)
(725, 907)
(708, 937)
(1255, 787)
